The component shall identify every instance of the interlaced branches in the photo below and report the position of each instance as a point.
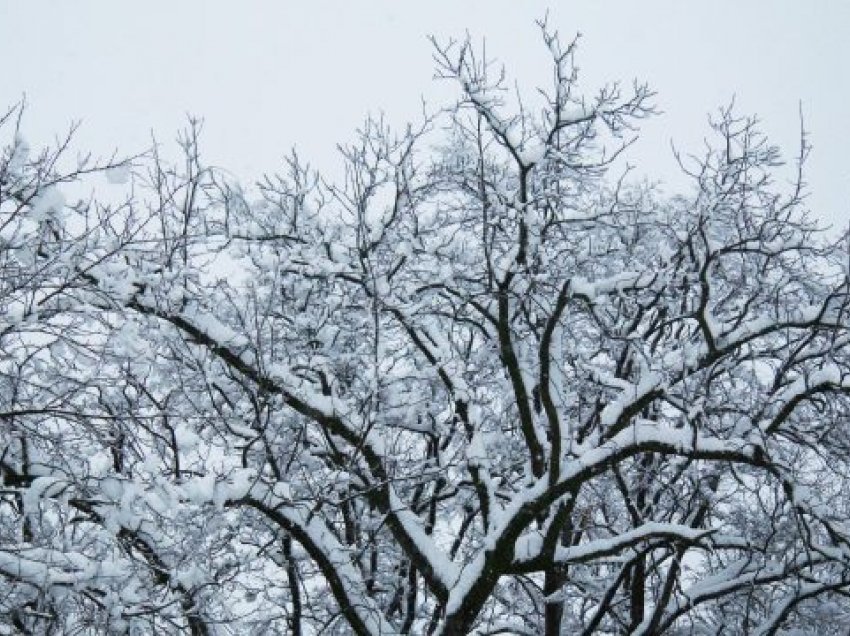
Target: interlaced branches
(474, 387)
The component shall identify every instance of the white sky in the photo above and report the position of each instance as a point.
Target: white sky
(269, 75)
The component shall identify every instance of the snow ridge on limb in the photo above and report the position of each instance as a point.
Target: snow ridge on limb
(334, 560)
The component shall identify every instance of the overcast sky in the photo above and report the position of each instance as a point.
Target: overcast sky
(269, 75)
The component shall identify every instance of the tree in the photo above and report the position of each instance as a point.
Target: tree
(479, 386)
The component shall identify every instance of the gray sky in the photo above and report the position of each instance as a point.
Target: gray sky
(269, 75)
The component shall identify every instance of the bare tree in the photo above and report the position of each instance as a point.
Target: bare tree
(478, 386)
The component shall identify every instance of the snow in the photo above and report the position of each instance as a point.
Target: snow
(41, 488)
(532, 153)
(444, 570)
(476, 452)
(215, 329)
(630, 395)
(323, 540)
(470, 573)
(528, 546)
(829, 375)
(18, 158)
(186, 437)
(513, 135)
(201, 490)
(14, 313)
(119, 175)
(47, 203)
(616, 283)
(100, 465)
(575, 112)
(614, 544)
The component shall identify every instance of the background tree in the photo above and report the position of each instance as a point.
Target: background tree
(477, 386)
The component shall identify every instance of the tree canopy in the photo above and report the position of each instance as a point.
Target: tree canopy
(485, 382)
